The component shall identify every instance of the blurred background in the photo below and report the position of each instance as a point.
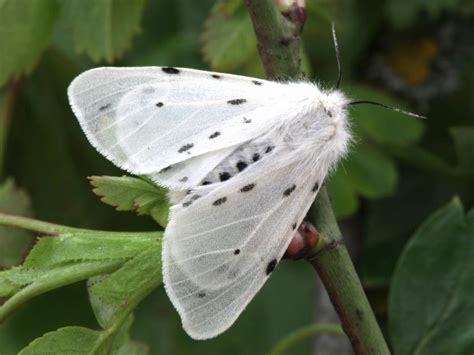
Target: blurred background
(416, 55)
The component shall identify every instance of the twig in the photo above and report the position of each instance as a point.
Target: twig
(278, 40)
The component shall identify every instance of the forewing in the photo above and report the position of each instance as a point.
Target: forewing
(219, 250)
(146, 119)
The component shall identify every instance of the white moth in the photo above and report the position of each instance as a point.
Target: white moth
(243, 159)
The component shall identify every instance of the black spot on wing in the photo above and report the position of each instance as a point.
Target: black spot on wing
(256, 157)
(236, 101)
(269, 149)
(215, 76)
(187, 203)
(315, 187)
(224, 176)
(236, 251)
(246, 120)
(256, 82)
(247, 188)
(271, 266)
(293, 226)
(215, 135)
(205, 182)
(201, 294)
(105, 107)
(185, 147)
(183, 179)
(289, 191)
(219, 201)
(241, 165)
(195, 197)
(170, 70)
(159, 104)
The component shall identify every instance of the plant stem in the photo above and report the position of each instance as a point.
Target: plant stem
(303, 333)
(277, 40)
(330, 258)
(55, 279)
(34, 225)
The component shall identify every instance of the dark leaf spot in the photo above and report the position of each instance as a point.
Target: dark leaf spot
(236, 251)
(159, 104)
(256, 82)
(219, 201)
(271, 266)
(236, 101)
(359, 314)
(256, 157)
(241, 165)
(288, 191)
(315, 187)
(170, 70)
(215, 76)
(105, 107)
(247, 188)
(224, 176)
(214, 135)
(185, 147)
(202, 294)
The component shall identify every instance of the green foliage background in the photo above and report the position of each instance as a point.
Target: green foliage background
(401, 173)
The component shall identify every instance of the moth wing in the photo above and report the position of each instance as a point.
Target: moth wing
(191, 172)
(219, 250)
(147, 118)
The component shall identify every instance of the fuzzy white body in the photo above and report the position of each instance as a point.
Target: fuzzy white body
(243, 159)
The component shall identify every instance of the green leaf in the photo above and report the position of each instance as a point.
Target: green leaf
(371, 173)
(14, 280)
(431, 304)
(67, 340)
(343, 195)
(112, 295)
(25, 32)
(132, 194)
(14, 242)
(89, 246)
(464, 142)
(229, 39)
(83, 341)
(104, 29)
(381, 125)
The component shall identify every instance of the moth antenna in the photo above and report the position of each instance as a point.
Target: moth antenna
(338, 57)
(358, 102)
